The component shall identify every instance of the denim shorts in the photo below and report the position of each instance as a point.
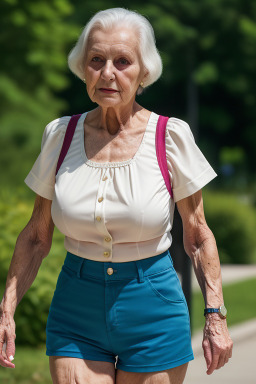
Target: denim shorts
(133, 314)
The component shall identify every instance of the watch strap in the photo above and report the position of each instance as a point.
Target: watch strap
(211, 310)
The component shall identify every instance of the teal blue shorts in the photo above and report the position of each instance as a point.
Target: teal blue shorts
(133, 314)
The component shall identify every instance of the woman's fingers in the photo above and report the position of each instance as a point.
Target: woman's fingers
(10, 347)
(214, 364)
(226, 359)
(207, 352)
(211, 356)
(4, 362)
(222, 360)
(7, 349)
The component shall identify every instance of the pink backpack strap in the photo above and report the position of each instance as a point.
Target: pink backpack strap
(161, 151)
(67, 139)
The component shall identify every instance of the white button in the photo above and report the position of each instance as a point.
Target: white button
(98, 218)
(107, 238)
(100, 199)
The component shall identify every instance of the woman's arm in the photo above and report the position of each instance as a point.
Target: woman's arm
(32, 245)
(200, 245)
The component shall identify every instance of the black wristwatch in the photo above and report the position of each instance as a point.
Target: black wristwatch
(222, 311)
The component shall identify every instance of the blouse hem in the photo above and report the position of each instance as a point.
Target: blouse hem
(38, 187)
(194, 185)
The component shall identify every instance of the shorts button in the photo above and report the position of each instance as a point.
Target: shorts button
(98, 218)
(110, 271)
(107, 238)
(106, 254)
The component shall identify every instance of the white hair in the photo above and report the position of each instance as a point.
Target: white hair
(108, 19)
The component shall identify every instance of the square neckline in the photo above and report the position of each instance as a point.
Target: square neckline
(110, 163)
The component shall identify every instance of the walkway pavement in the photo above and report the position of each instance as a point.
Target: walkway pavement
(241, 368)
(231, 273)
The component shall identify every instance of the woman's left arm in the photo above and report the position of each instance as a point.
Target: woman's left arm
(200, 246)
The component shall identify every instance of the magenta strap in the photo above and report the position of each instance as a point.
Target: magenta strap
(161, 151)
(67, 139)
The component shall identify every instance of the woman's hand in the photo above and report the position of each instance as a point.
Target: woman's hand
(7, 337)
(217, 344)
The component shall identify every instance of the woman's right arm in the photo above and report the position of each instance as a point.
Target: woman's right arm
(32, 245)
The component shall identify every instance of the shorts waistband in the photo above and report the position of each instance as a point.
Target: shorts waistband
(118, 271)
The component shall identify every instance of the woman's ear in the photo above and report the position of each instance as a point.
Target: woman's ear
(145, 76)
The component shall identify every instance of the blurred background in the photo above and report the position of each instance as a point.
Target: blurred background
(209, 80)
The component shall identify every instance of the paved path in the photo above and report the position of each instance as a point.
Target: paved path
(230, 274)
(241, 368)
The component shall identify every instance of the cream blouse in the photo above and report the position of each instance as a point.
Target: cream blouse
(117, 211)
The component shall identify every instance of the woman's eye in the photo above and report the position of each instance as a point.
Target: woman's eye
(124, 61)
(95, 58)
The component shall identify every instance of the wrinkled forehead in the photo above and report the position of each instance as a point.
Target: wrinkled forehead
(113, 40)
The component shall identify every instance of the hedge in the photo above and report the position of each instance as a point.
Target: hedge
(232, 220)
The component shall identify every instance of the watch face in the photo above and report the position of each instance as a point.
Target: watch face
(223, 310)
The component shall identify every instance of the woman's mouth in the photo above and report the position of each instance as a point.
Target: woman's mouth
(108, 90)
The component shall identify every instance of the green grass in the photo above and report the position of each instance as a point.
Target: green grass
(31, 367)
(239, 299)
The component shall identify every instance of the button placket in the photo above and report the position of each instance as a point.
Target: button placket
(100, 215)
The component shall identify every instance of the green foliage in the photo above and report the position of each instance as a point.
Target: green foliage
(234, 155)
(34, 44)
(31, 314)
(233, 222)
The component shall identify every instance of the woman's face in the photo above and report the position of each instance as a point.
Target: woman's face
(113, 61)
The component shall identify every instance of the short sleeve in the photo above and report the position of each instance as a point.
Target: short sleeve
(41, 178)
(188, 168)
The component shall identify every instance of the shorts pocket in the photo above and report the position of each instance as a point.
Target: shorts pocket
(166, 285)
(65, 278)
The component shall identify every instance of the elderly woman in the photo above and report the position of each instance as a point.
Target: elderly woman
(118, 299)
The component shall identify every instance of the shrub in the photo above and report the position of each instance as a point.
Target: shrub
(233, 222)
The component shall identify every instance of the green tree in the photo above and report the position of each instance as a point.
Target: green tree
(209, 56)
(34, 41)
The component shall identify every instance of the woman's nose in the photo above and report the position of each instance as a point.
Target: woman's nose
(107, 72)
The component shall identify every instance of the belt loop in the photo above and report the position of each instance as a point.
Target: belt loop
(80, 266)
(140, 271)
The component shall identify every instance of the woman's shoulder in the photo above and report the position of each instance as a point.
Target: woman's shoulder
(177, 127)
(55, 129)
(58, 125)
(174, 123)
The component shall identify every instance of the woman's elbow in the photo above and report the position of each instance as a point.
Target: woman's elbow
(36, 237)
(196, 237)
